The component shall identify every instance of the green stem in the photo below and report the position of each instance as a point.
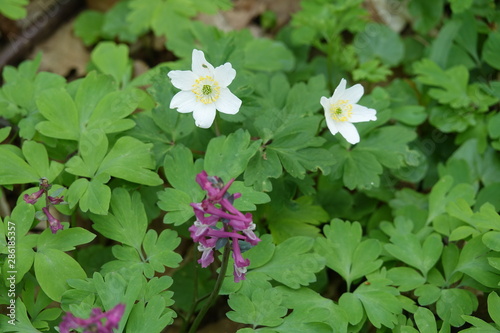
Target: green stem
(217, 129)
(215, 292)
(195, 300)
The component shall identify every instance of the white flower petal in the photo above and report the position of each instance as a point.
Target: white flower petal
(348, 131)
(182, 80)
(228, 102)
(331, 125)
(224, 75)
(325, 102)
(204, 115)
(361, 113)
(184, 101)
(339, 91)
(200, 65)
(353, 94)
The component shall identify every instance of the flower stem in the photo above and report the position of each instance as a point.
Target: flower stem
(215, 292)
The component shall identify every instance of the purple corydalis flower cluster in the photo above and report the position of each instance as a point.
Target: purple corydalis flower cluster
(44, 185)
(237, 227)
(94, 324)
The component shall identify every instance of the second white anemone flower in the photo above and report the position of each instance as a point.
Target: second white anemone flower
(341, 111)
(204, 90)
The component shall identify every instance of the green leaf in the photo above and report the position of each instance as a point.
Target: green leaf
(454, 303)
(389, 145)
(293, 264)
(474, 263)
(442, 45)
(22, 322)
(295, 218)
(494, 306)
(379, 41)
(360, 168)
(492, 240)
(444, 192)
(57, 106)
(425, 320)
(311, 312)
(127, 221)
(458, 6)
(405, 278)
(36, 155)
(278, 56)
(64, 240)
(13, 9)
(115, 288)
(88, 26)
(109, 112)
(491, 49)
(379, 301)
(177, 204)
(4, 133)
(372, 71)
(15, 170)
(116, 26)
(152, 317)
(92, 147)
(91, 90)
(427, 294)
(130, 159)
(262, 166)
(263, 308)
(353, 307)
(451, 84)
(160, 250)
(93, 195)
(53, 268)
(112, 59)
(181, 172)
(228, 157)
(249, 197)
(345, 253)
(408, 249)
(426, 14)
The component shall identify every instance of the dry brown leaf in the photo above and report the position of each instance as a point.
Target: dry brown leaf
(63, 52)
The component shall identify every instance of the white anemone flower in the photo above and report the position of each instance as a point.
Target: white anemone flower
(204, 90)
(341, 111)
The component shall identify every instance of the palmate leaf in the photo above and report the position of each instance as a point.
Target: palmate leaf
(152, 317)
(14, 169)
(96, 106)
(227, 157)
(22, 322)
(128, 159)
(294, 218)
(358, 168)
(262, 308)
(112, 59)
(378, 299)
(311, 312)
(451, 84)
(160, 250)
(293, 263)
(345, 253)
(127, 221)
(288, 130)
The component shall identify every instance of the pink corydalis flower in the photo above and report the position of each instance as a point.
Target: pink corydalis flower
(54, 223)
(33, 198)
(95, 322)
(236, 227)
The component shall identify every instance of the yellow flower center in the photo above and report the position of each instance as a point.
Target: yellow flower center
(206, 89)
(341, 110)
